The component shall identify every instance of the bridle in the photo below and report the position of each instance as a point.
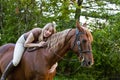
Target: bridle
(77, 41)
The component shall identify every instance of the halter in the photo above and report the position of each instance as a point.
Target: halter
(77, 41)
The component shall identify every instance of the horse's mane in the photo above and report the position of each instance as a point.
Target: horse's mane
(89, 35)
(57, 40)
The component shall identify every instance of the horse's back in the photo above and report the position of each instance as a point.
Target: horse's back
(5, 48)
(6, 51)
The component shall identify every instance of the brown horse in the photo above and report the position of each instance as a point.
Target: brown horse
(35, 65)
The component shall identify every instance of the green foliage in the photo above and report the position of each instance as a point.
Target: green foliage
(114, 1)
(106, 48)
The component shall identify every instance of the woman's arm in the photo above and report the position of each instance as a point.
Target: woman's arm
(30, 39)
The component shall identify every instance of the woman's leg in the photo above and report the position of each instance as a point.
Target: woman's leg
(18, 52)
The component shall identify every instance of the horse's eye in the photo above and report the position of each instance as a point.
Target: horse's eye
(84, 41)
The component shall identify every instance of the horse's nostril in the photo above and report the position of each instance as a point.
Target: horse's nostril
(89, 63)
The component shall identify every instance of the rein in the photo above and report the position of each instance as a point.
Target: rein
(72, 60)
(76, 41)
(32, 49)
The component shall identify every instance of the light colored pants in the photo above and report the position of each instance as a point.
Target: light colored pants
(18, 51)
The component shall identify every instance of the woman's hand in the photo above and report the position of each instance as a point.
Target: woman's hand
(42, 44)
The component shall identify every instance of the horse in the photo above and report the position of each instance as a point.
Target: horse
(36, 64)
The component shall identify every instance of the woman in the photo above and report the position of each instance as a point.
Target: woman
(28, 40)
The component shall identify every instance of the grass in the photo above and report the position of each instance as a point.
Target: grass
(76, 77)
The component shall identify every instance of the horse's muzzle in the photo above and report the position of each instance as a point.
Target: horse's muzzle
(86, 63)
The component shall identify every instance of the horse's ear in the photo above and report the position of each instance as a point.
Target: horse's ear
(84, 25)
(78, 25)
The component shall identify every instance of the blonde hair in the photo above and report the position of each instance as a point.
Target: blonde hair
(47, 26)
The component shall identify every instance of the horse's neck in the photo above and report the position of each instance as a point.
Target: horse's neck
(59, 54)
(56, 56)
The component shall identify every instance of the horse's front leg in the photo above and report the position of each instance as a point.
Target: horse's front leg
(39, 77)
(52, 75)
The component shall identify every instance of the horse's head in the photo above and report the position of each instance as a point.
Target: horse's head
(81, 44)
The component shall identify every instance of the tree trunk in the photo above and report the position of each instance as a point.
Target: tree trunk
(78, 10)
